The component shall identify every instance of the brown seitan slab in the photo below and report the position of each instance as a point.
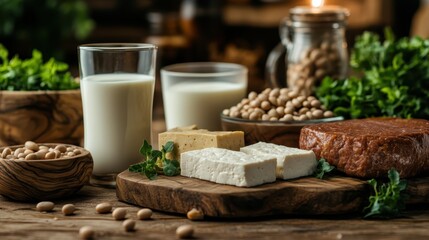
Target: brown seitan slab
(369, 148)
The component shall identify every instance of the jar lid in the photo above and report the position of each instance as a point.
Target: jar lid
(322, 14)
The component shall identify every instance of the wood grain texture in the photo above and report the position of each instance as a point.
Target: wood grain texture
(41, 116)
(418, 190)
(36, 180)
(305, 196)
(21, 221)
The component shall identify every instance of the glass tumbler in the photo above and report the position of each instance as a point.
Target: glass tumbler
(117, 86)
(197, 92)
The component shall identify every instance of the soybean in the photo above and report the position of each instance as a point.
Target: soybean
(317, 113)
(119, 213)
(31, 145)
(328, 114)
(68, 209)
(104, 207)
(41, 154)
(195, 214)
(50, 155)
(31, 156)
(144, 214)
(28, 151)
(86, 232)
(45, 206)
(18, 151)
(6, 151)
(185, 231)
(129, 225)
(61, 148)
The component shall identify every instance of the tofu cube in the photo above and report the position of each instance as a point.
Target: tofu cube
(228, 167)
(291, 162)
(189, 140)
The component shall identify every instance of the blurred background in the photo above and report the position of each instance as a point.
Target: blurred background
(240, 31)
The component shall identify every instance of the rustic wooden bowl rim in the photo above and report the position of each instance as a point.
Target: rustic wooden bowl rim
(67, 158)
(279, 123)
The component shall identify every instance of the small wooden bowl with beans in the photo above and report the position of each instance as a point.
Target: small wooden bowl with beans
(275, 115)
(43, 171)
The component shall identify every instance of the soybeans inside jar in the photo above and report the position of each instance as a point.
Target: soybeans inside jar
(316, 46)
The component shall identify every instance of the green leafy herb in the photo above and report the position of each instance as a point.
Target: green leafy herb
(171, 167)
(389, 199)
(156, 162)
(323, 167)
(33, 74)
(394, 79)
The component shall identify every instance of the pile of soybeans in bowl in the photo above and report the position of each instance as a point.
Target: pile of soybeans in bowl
(278, 104)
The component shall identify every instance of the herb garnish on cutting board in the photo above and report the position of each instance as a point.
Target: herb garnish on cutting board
(156, 162)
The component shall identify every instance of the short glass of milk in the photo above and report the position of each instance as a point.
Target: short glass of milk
(117, 86)
(197, 92)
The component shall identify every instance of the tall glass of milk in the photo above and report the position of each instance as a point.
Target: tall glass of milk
(196, 93)
(117, 86)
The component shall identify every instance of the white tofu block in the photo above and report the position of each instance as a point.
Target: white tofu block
(228, 167)
(291, 162)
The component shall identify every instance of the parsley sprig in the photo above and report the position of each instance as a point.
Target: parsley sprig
(323, 167)
(389, 198)
(156, 162)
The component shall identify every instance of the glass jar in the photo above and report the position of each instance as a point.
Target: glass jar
(314, 39)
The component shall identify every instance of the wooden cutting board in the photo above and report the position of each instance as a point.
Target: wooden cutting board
(305, 196)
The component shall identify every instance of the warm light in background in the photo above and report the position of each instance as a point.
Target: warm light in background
(317, 3)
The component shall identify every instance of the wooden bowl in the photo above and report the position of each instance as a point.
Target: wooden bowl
(37, 180)
(41, 116)
(278, 132)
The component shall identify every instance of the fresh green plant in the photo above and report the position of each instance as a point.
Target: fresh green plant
(33, 73)
(394, 82)
(389, 199)
(156, 162)
(323, 167)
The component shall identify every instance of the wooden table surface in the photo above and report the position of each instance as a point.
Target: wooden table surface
(22, 221)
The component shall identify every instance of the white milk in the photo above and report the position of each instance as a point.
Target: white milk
(200, 103)
(117, 118)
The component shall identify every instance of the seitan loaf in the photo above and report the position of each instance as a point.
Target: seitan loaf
(369, 148)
